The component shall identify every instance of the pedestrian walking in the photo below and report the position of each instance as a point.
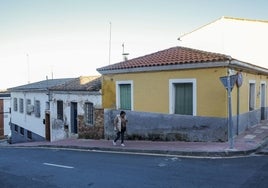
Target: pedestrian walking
(120, 125)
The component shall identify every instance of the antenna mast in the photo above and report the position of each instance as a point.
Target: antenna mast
(110, 39)
(28, 67)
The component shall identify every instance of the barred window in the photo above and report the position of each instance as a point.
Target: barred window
(37, 108)
(21, 105)
(60, 110)
(22, 131)
(16, 128)
(89, 113)
(29, 135)
(15, 104)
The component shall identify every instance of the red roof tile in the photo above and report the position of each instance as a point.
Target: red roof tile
(171, 56)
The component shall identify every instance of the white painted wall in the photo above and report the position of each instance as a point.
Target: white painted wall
(80, 98)
(6, 103)
(244, 40)
(30, 122)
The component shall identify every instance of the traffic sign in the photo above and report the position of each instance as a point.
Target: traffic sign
(224, 81)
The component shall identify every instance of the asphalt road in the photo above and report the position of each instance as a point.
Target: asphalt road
(51, 168)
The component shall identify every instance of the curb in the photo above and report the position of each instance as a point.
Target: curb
(226, 153)
(259, 149)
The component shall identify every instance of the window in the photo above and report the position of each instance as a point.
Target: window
(16, 128)
(37, 108)
(60, 110)
(15, 104)
(22, 131)
(29, 135)
(182, 99)
(124, 95)
(21, 106)
(89, 113)
(251, 95)
(28, 106)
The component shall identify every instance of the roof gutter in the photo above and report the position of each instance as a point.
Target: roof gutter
(247, 66)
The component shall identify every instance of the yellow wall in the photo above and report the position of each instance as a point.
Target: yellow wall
(151, 90)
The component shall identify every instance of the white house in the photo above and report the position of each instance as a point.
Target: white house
(4, 113)
(243, 39)
(56, 109)
(30, 109)
(51, 109)
(76, 108)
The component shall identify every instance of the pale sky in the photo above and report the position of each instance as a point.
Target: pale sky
(71, 37)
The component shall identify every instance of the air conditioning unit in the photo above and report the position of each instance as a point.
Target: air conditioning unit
(30, 108)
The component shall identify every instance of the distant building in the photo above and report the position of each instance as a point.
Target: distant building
(4, 113)
(243, 39)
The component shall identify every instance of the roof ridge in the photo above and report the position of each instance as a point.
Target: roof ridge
(170, 56)
(244, 19)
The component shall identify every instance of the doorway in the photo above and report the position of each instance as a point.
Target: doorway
(263, 94)
(74, 117)
(1, 118)
(47, 122)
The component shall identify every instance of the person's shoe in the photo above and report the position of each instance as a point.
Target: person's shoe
(123, 145)
(114, 143)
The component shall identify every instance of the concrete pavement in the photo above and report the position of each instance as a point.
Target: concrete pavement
(251, 141)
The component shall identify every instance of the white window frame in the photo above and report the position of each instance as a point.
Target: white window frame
(37, 108)
(172, 83)
(261, 94)
(254, 102)
(15, 104)
(21, 105)
(118, 90)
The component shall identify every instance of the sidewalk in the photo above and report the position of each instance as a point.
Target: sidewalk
(251, 141)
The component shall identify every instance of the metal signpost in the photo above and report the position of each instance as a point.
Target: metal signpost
(229, 82)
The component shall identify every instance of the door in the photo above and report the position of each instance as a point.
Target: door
(47, 119)
(263, 94)
(74, 117)
(1, 118)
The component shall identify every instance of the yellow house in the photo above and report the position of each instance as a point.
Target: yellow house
(177, 94)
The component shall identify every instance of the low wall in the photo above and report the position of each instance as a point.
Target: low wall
(168, 127)
(172, 127)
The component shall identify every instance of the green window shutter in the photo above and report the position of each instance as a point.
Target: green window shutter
(125, 96)
(184, 98)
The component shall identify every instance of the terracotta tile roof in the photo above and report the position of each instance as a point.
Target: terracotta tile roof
(171, 56)
(82, 83)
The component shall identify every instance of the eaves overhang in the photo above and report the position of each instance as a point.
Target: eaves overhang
(248, 67)
(232, 63)
(166, 67)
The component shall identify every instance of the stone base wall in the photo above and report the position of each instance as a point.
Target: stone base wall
(173, 127)
(20, 134)
(95, 131)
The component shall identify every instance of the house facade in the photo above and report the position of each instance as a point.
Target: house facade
(176, 94)
(243, 39)
(29, 107)
(76, 109)
(4, 114)
(41, 111)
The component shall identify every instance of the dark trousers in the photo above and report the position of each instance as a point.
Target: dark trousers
(118, 135)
